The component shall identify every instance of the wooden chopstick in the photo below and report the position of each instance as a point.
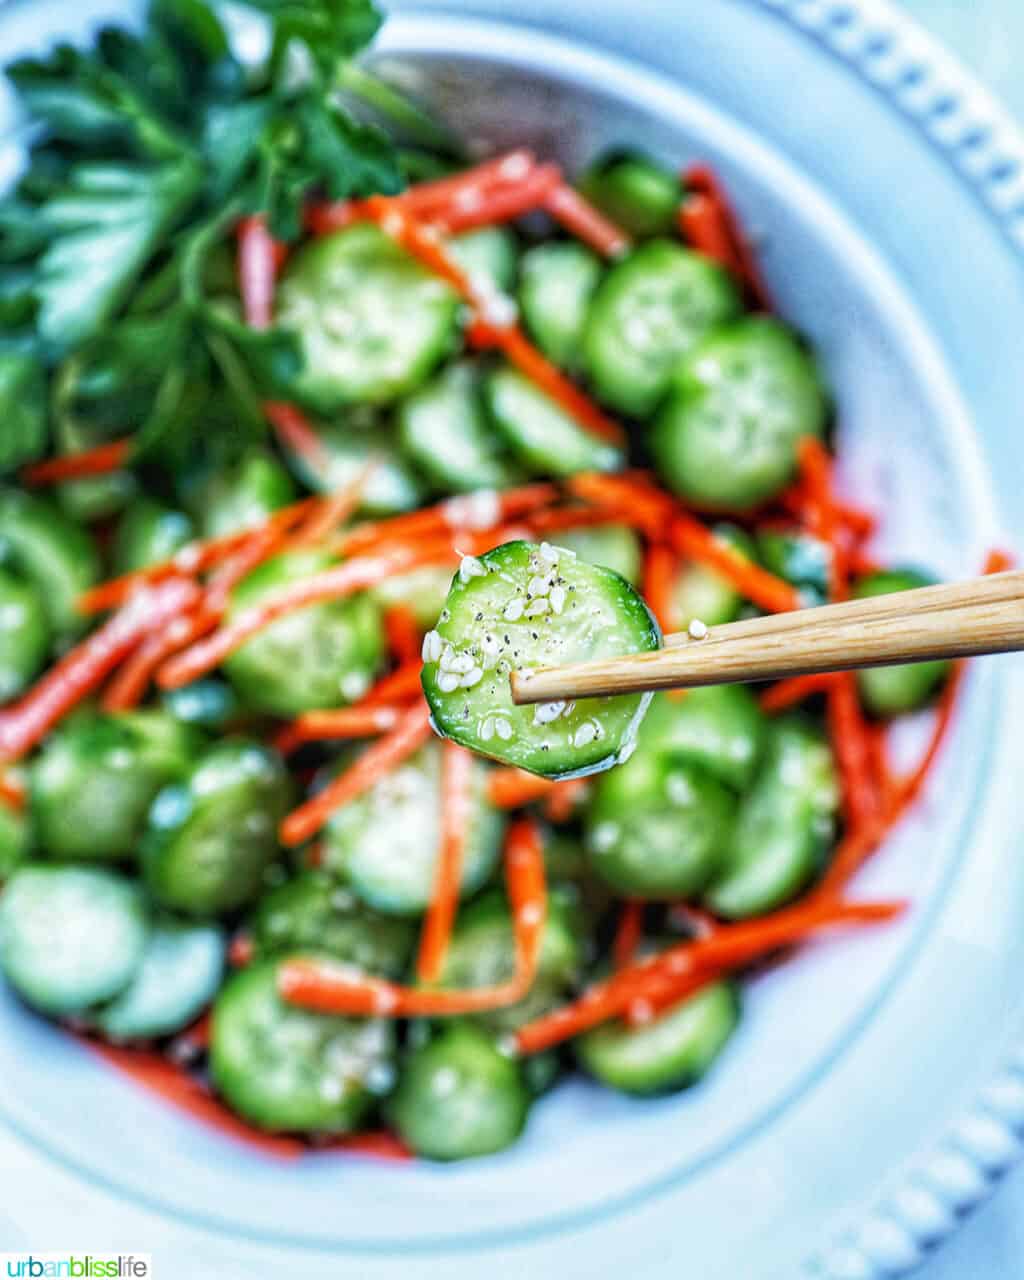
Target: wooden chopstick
(955, 620)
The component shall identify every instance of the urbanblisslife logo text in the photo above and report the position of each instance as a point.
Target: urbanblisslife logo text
(77, 1266)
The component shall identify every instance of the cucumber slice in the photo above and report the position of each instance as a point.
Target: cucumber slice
(701, 593)
(91, 786)
(24, 634)
(371, 322)
(346, 447)
(325, 655)
(636, 193)
(423, 590)
(719, 728)
(522, 606)
(242, 495)
(649, 311)
(556, 282)
(799, 559)
(287, 1070)
(47, 548)
(742, 400)
(209, 703)
(458, 1096)
(312, 912)
(615, 546)
(211, 838)
(149, 532)
(15, 841)
(385, 844)
(182, 967)
(540, 434)
(70, 936)
(444, 430)
(487, 256)
(658, 828)
(671, 1053)
(892, 691)
(785, 823)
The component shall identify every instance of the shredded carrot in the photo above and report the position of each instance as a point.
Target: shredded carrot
(728, 245)
(998, 561)
(881, 772)
(911, 787)
(661, 977)
(412, 730)
(402, 632)
(258, 259)
(470, 209)
(816, 470)
(789, 693)
(380, 1143)
(559, 519)
(628, 933)
(241, 951)
(328, 987)
(456, 801)
(335, 583)
(296, 432)
(563, 800)
(73, 466)
(132, 679)
(12, 792)
(404, 684)
(533, 364)
(337, 725)
(197, 557)
(859, 522)
(80, 671)
(579, 217)
(511, 788)
(335, 509)
(659, 579)
(850, 737)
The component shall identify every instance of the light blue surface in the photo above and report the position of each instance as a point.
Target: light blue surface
(858, 1063)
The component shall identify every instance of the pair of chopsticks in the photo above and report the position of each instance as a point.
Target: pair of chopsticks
(953, 620)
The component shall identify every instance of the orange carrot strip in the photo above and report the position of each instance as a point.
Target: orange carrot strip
(729, 947)
(703, 182)
(327, 987)
(659, 579)
(333, 511)
(532, 363)
(579, 217)
(848, 731)
(412, 730)
(562, 801)
(257, 271)
(12, 793)
(789, 693)
(470, 208)
(296, 432)
(336, 725)
(998, 561)
(336, 583)
(132, 679)
(511, 788)
(241, 951)
(816, 470)
(380, 1143)
(456, 802)
(83, 668)
(72, 466)
(401, 685)
(404, 637)
(911, 787)
(628, 933)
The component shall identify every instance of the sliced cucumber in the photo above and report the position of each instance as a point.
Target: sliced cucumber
(719, 728)
(242, 495)
(25, 634)
(742, 400)
(522, 606)
(458, 1096)
(346, 447)
(287, 1070)
(658, 828)
(51, 551)
(91, 786)
(15, 840)
(444, 429)
(149, 532)
(615, 546)
(649, 311)
(785, 823)
(486, 255)
(209, 703)
(211, 838)
(70, 937)
(423, 590)
(182, 967)
(385, 844)
(671, 1053)
(556, 282)
(635, 192)
(701, 593)
(800, 559)
(371, 321)
(311, 912)
(325, 655)
(892, 691)
(540, 434)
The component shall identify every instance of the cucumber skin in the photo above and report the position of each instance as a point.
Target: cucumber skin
(897, 690)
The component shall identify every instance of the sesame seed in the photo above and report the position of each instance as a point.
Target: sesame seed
(432, 646)
(537, 607)
(472, 677)
(502, 728)
(697, 630)
(470, 567)
(513, 611)
(546, 712)
(447, 682)
(557, 599)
